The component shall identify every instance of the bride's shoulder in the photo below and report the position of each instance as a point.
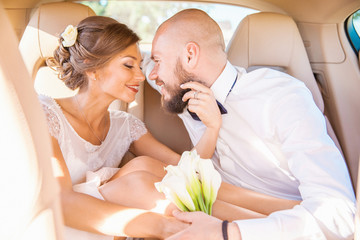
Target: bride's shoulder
(48, 103)
(51, 102)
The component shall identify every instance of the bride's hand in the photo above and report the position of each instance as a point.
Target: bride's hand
(203, 103)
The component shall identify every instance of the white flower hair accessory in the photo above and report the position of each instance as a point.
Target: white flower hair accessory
(69, 36)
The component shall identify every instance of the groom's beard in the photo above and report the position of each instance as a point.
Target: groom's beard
(176, 104)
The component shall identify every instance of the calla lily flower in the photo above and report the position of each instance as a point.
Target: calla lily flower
(210, 182)
(189, 166)
(174, 188)
(192, 185)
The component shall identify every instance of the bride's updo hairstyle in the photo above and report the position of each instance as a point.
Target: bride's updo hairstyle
(98, 40)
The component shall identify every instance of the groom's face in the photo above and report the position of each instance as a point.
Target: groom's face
(171, 92)
(169, 74)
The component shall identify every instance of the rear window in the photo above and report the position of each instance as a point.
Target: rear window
(144, 17)
(353, 30)
(356, 21)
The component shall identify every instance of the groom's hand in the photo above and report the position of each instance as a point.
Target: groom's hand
(203, 103)
(203, 227)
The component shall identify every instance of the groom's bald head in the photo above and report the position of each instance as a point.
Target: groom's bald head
(192, 25)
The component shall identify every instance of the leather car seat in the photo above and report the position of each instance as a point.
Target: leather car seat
(30, 200)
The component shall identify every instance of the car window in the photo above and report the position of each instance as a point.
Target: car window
(353, 30)
(356, 21)
(145, 16)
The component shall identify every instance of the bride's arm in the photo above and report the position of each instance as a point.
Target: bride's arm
(87, 213)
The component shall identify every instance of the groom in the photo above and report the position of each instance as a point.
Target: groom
(273, 138)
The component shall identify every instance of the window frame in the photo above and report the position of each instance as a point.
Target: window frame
(352, 34)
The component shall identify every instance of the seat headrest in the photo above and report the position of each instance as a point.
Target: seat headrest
(40, 39)
(273, 40)
(44, 28)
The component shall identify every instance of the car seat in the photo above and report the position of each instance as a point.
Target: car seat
(40, 40)
(30, 202)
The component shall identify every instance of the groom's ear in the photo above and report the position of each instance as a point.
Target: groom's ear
(192, 53)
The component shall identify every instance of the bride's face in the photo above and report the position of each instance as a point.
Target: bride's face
(121, 77)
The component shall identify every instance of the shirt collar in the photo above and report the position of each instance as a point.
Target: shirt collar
(224, 82)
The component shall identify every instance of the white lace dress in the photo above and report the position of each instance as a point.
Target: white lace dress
(91, 165)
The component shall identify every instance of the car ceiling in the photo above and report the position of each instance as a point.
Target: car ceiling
(312, 11)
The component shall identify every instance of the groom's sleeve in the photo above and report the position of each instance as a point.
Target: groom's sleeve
(328, 203)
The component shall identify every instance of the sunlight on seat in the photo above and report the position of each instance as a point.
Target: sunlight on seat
(133, 104)
(47, 83)
(17, 153)
(57, 171)
(37, 229)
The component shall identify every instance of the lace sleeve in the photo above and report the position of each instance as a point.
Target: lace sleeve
(52, 121)
(137, 128)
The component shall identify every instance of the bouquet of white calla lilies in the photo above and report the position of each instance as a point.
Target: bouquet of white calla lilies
(192, 185)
